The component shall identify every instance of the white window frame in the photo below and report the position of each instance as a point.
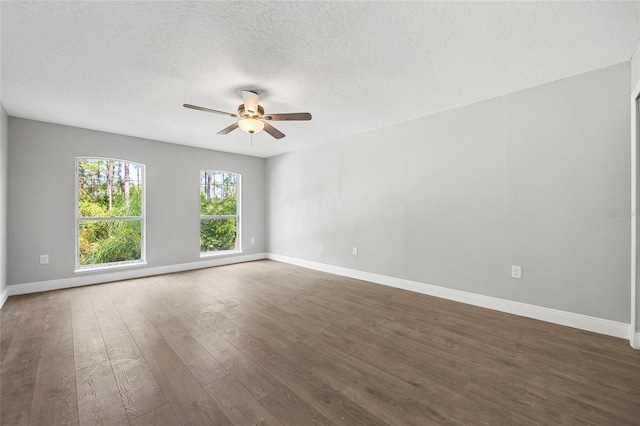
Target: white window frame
(237, 216)
(143, 232)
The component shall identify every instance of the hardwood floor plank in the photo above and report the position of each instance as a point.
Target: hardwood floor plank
(161, 416)
(21, 358)
(99, 401)
(8, 330)
(188, 399)
(169, 328)
(267, 330)
(182, 316)
(386, 347)
(266, 343)
(57, 332)
(15, 405)
(138, 387)
(254, 348)
(246, 371)
(311, 324)
(54, 396)
(261, 322)
(326, 400)
(142, 331)
(88, 346)
(385, 396)
(110, 322)
(151, 309)
(430, 378)
(120, 296)
(239, 405)
(18, 372)
(291, 410)
(202, 365)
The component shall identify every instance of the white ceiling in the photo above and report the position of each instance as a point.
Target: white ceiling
(127, 67)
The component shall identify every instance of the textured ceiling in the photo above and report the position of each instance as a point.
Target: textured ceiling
(127, 67)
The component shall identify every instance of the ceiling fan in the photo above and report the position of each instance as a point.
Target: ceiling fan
(251, 116)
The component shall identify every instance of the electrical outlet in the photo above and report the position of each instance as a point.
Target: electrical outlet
(253, 240)
(355, 251)
(44, 259)
(516, 271)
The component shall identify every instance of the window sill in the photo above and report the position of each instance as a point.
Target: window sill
(219, 253)
(109, 267)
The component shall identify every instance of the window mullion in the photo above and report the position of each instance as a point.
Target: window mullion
(219, 216)
(106, 218)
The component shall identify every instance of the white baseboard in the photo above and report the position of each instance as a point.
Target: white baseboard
(103, 277)
(4, 296)
(583, 322)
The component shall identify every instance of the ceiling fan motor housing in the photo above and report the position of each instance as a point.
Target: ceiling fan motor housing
(243, 113)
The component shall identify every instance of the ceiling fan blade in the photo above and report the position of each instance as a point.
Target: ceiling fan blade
(273, 131)
(199, 108)
(250, 100)
(229, 129)
(294, 116)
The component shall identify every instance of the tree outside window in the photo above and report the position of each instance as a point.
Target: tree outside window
(219, 211)
(110, 212)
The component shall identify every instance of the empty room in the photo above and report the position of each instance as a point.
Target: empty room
(319, 213)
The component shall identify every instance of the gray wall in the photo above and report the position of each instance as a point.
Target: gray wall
(635, 67)
(4, 143)
(635, 77)
(455, 198)
(41, 196)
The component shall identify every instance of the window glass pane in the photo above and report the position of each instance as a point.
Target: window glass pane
(109, 188)
(218, 193)
(218, 234)
(108, 241)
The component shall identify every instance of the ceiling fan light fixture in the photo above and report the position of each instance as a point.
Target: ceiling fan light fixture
(251, 125)
(250, 102)
(251, 118)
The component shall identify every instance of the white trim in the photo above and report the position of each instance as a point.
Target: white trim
(110, 266)
(219, 216)
(4, 296)
(36, 287)
(218, 253)
(141, 218)
(633, 339)
(570, 319)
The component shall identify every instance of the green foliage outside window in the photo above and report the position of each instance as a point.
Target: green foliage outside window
(217, 235)
(218, 201)
(109, 241)
(109, 189)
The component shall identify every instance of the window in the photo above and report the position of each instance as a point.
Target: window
(219, 212)
(110, 213)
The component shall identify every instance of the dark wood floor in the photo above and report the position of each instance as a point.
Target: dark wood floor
(268, 343)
